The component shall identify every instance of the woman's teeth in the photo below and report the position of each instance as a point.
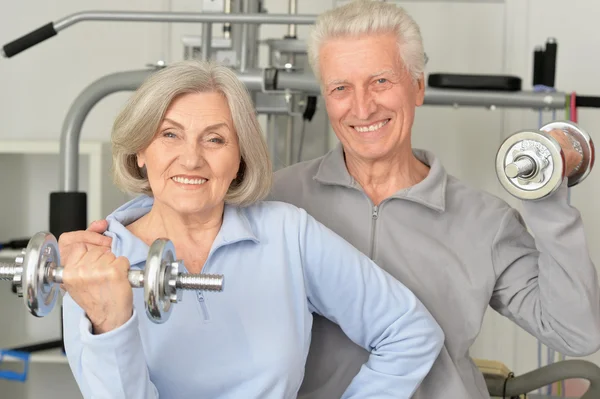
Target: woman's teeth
(184, 180)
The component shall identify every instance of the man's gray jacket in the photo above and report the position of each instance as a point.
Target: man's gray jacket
(458, 249)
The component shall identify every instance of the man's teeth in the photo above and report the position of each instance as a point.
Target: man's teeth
(189, 181)
(372, 127)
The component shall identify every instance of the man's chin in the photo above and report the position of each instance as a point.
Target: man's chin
(369, 151)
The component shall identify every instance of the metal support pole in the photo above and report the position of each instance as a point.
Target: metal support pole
(244, 49)
(289, 141)
(83, 104)
(206, 40)
(492, 99)
(291, 61)
(293, 9)
(236, 32)
(272, 139)
(187, 17)
(227, 25)
(249, 38)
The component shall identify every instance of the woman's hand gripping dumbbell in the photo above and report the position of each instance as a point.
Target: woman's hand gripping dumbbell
(532, 164)
(101, 283)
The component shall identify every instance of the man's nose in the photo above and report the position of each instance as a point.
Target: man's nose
(363, 104)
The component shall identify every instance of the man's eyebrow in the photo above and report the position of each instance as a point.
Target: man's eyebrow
(384, 72)
(374, 75)
(336, 82)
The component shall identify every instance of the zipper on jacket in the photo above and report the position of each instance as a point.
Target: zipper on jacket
(374, 216)
(203, 305)
(200, 294)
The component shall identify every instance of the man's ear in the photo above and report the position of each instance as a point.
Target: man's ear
(420, 97)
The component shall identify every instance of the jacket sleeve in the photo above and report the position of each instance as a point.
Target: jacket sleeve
(106, 366)
(548, 285)
(373, 309)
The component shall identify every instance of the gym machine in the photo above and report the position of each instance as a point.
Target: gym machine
(285, 88)
(501, 383)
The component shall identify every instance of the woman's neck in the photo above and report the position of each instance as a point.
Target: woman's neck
(192, 235)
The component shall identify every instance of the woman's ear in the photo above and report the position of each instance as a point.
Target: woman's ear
(239, 176)
(141, 160)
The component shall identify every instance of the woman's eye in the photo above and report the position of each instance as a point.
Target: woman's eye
(216, 140)
(381, 80)
(169, 134)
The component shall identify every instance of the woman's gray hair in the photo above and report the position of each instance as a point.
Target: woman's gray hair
(364, 17)
(137, 124)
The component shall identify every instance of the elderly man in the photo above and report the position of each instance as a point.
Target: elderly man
(466, 249)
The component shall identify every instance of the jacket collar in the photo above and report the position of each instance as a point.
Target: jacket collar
(235, 228)
(430, 192)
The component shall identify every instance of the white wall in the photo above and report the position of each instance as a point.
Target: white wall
(38, 86)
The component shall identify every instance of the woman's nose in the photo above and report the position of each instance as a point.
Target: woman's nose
(191, 157)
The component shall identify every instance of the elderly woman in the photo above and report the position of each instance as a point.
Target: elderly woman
(189, 143)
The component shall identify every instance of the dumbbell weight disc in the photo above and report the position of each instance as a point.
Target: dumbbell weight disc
(39, 295)
(586, 147)
(160, 275)
(537, 145)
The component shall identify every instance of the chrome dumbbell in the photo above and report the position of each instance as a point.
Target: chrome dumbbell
(531, 165)
(37, 273)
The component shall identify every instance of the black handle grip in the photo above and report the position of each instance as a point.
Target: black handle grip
(538, 67)
(68, 212)
(29, 40)
(587, 101)
(549, 64)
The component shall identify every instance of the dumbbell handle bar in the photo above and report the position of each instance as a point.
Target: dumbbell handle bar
(522, 166)
(202, 282)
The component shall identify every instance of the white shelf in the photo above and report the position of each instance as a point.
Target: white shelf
(32, 169)
(50, 356)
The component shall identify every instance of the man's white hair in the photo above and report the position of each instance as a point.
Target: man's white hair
(364, 17)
